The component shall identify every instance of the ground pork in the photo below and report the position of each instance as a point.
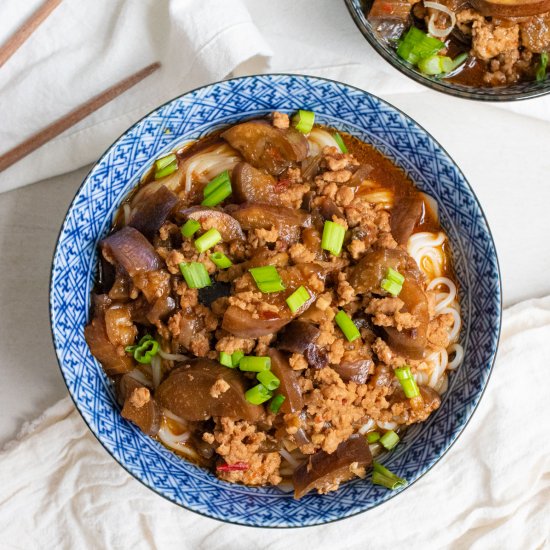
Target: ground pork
(386, 312)
(438, 330)
(281, 120)
(220, 386)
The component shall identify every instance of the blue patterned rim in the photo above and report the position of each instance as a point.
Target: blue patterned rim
(189, 117)
(513, 92)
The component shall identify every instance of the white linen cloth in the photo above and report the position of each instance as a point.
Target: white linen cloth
(84, 47)
(60, 489)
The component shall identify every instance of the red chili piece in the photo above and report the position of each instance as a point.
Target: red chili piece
(237, 467)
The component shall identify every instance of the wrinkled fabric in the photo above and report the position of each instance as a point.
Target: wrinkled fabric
(60, 489)
(84, 47)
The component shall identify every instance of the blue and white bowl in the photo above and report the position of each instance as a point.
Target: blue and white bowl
(192, 116)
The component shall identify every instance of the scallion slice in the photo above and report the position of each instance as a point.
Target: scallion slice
(298, 298)
(389, 440)
(542, 67)
(221, 260)
(167, 170)
(226, 360)
(333, 237)
(250, 363)
(144, 350)
(435, 64)
(393, 282)
(217, 190)
(276, 403)
(347, 326)
(303, 121)
(458, 60)
(383, 476)
(236, 356)
(163, 162)
(208, 240)
(373, 437)
(267, 279)
(195, 275)
(189, 228)
(268, 379)
(407, 381)
(338, 139)
(258, 394)
(417, 45)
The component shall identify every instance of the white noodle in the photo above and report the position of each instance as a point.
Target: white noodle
(366, 427)
(318, 139)
(285, 486)
(173, 356)
(387, 425)
(176, 442)
(440, 360)
(175, 418)
(443, 299)
(127, 213)
(156, 369)
(289, 458)
(136, 374)
(425, 249)
(458, 350)
(383, 197)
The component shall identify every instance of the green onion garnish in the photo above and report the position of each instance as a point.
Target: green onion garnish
(165, 166)
(298, 298)
(257, 395)
(541, 67)
(382, 476)
(267, 278)
(208, 240)
(170, 169)
(276, 403)
(417, 45)
(389, 440)
(195, 275)
(347, 326)
(393, 283)
(407, 381)
(236, 356)
(189, 228)
(226, 360)
(333, 237)
(163, 162)
(221, 260)
(338, 139)
(145, 349)
(458, 60)
(435, 64)
(268, 379)
(217, 190)
(303, 121)
(250, 363)
(373, 437)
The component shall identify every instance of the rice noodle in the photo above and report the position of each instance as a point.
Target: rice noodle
(443, 299)
(127, 213)
(458, 351)
(285, 486)
(136, 374)
(366, 427)
(383, 197)
(432, 29)
(432, 205)
(173, 356)
(289, 458)
(176, 442)
(174, 417)
(425, 249)
(318, 139)
(387, 425)
(156, 370)
(439, 360)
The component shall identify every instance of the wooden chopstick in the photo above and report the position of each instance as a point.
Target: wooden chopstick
(70, 119)
(26, 29)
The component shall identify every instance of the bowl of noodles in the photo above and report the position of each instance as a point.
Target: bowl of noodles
(275, 301)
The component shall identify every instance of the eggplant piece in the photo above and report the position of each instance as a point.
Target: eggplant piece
(389, 18)
(186, 393)
(405, 216)
(510, 8)
(322, 470)
(253, 185)
(288, 221)
(301, 337)
(228, 226)
(141, 409)
(209, 294)
(103, 350)
(535, 33)
(354, 371)
(160, 310)
(129, 249)
(430, 398)
(290, 386)
(360, 175)
(328, 209)
(267, 147)
(241, 323)
(152, 211)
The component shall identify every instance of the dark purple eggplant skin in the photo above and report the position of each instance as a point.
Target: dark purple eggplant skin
(290, 386)
(153, 211)
(228, 226)
(322, 469)
(301, 337)
(354, 371)
(405, 216)
(129, 249)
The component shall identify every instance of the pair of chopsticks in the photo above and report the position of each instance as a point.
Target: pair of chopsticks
(70, 119)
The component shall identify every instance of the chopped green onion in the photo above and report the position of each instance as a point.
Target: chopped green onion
(407, 381)
(347, 326)
(221, 260)
(542, 66)
(373, 437)
(298, 298)
(226, 360)
(236, 356)
(338, 139)
(217, 190)
(268, 379)
(333, 237)
(250, 363)
(393, 283)
(435, 64)
(189, 228)
(167, 170)
(208, 240)
(257, 395)
(276, 403)
(458, 60)
(267, 278)
(303, 121)
(163, 162)
(383, 476)
(417, 45)
(389, 440)
(195, 275)
(145, 350)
